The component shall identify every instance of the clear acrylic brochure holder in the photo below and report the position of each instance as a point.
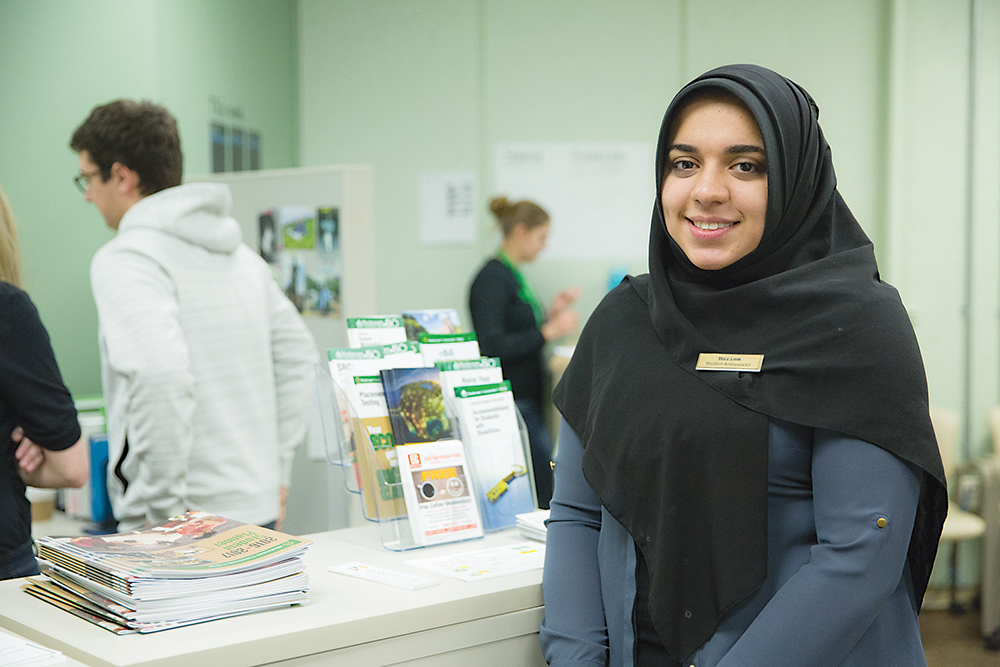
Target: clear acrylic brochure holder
(384, 504)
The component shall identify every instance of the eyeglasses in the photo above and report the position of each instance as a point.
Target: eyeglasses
(82, 180)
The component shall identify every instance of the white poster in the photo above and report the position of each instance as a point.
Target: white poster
(447, 207)
(599, 195)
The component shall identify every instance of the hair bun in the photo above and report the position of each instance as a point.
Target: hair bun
(499, 205)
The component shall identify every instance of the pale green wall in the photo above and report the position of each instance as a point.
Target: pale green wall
(411, 85)
(939, 221)
(59, 59)
(435, 85)
(985, 298)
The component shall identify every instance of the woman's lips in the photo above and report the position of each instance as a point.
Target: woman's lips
(710, 227)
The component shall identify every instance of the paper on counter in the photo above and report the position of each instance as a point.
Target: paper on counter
(486, 563)
(384, 576)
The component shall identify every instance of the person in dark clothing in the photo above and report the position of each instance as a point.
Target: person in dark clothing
(511, 324)
(38, 425)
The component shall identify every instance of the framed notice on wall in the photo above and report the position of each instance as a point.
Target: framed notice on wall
(600, 195)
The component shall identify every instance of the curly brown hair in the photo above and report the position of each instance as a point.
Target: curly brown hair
(140, 135)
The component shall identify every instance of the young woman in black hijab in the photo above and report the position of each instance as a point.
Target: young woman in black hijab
(747, 473)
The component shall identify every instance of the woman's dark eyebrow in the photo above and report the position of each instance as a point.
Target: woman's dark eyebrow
(744, 148)
(735, 149)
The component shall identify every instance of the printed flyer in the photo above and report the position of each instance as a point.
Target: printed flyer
(436, 490)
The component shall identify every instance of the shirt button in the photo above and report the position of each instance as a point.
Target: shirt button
(881, 523)
(687, 614)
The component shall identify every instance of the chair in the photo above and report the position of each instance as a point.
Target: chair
(960, 525)
(989, 468)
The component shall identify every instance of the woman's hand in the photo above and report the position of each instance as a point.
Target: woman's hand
(560, 324)
(29, 455)
(563, 300)
(51, 469)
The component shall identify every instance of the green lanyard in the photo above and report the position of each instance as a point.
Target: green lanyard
(525, 293)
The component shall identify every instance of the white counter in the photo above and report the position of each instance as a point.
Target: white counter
(347, 621)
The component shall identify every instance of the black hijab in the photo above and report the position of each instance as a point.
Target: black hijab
(679, 456)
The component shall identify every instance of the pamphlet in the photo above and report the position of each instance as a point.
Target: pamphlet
(448, 347)
(346, 363)
(496, 453)
(435, 321)
(436, 487)
(485, 370)
(402, 355)
(416, 404)
(378, 330)
(376, 454)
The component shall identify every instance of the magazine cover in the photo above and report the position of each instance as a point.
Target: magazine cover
(192, 568)
(194, 544)
(496, 453)
(416, 404)
(439, 502)
(435, 321)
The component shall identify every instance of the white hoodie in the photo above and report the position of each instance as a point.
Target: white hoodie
(207, 367)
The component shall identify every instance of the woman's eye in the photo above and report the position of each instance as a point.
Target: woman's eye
(749, 168)
(683, 164)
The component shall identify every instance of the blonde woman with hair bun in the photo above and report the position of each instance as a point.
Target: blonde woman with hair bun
(511, 323)
(39, 431)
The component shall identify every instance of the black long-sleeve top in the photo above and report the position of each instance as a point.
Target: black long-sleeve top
(505, 327)
(33, 396)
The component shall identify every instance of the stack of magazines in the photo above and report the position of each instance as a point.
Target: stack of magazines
(532, 524)
(193, 568)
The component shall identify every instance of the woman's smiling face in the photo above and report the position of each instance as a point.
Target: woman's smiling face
(714, 194)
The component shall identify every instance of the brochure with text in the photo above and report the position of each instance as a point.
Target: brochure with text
(378, 330)
(439, 501)
(485, 370)
(448, 347)
(376, 453)
(496, 453)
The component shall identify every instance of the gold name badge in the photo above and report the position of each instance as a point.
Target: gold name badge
(749, 363)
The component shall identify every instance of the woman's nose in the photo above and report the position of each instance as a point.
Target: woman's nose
(710, 187)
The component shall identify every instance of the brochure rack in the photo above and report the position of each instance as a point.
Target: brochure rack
(386, 497)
